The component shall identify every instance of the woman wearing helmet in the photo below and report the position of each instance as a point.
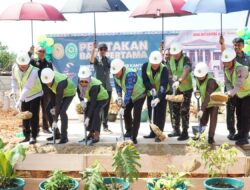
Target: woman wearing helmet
(92, 90)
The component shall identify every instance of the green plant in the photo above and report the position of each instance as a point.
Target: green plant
(125, 164)
(172, 181)
(58, 181)
(8, 160)
(218, 159)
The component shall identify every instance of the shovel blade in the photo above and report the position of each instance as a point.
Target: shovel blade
(198, 129)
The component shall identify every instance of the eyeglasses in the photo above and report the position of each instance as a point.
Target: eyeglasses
(41, 51)
(84, 82)
(103, 49)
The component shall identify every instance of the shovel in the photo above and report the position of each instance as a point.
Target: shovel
(122, 130)
(198, 129)
(154, 127)
(54, 127)
(86, 142)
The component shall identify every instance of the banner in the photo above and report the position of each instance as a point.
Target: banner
(72, 51)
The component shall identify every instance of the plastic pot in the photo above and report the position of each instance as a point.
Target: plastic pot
(237, 183)
(74, 182)
(180, 187)
(20, 182)
(125, 184)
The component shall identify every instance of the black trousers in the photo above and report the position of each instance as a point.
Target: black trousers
(31, 125)
(132, 125)
(210, 114)
(106, 111)
(159, 112)
(243, 116)
(45, 99)
(181, 111)
(231, 107)
(96, 117)
(63, 115)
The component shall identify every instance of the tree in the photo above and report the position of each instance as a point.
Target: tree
(6, 58)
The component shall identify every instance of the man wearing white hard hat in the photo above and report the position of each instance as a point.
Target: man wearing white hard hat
(129, 82)
(237, 81)
(180, 76)
(92, 90)
(62, 91)
(155, 80)
(206, 85)
(25, 76)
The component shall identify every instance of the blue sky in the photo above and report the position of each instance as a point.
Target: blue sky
(16, 34)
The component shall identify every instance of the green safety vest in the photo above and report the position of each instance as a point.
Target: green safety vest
(70, 90)
(203, 88)
(37, 88)
(139, 88)
(245, 87)
(186, 84)
(156, 80)
(102, 95)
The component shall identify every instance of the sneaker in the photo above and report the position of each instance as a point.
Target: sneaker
(32, 141)
(63, 141)
(107, 130)
(241, 142)
(174, 134)
(210, 140)
(47, 131)
(26, 139)
(184, 136)
(150, 136)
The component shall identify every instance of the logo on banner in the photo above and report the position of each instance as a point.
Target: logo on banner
(71, 50)
(58, 51)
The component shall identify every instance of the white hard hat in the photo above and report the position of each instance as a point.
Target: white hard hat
(23, 58)
(201, 69)
(228, 55)
(155, 57)
(175, 48)
(116, 66)
(84, 72)
(47, 75)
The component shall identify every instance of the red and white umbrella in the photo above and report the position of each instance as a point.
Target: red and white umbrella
(31, 11)
(160, 9)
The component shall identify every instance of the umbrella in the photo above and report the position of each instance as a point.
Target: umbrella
(93, 6)
(160, 8)
(31, 11)
(216, 6)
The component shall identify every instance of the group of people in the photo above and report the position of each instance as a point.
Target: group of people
(39, 83)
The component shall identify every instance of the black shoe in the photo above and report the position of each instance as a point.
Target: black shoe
(88, 138)
(174, 134)
(242, 142)
(210, 140)
(95, 140)
(127, 134)
(32, 141)
(184, 136)
(157, 140)
(26, 139)
(150, 136)
(230, 136)
(134, 141)
(51, 138)
(236, 137)
(47, 131)
(63, 141)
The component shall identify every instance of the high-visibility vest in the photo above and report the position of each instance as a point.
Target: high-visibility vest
(185, 84)
(245, 87)
(139, 88)
(37, 87)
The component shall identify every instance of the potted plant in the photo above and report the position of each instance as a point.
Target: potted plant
(125, 164)
(59, 181)
(170, 181)
(8, 160)
(217, 160)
